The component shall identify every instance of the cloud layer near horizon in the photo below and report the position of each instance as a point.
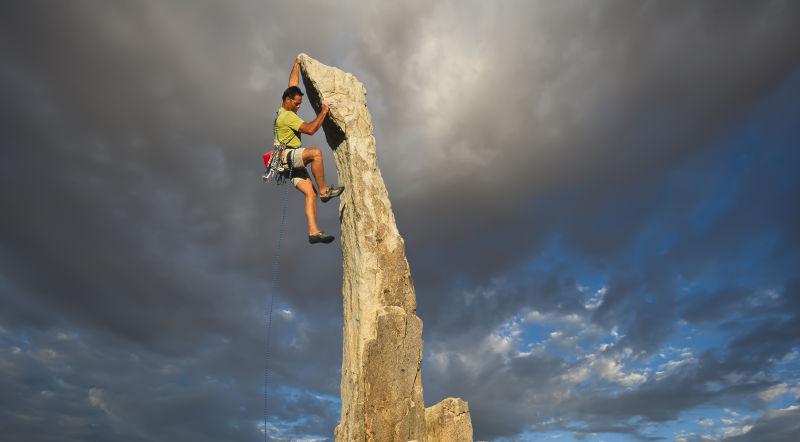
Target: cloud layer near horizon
(596, 198)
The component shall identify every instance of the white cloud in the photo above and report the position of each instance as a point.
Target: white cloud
(596, 300)
(604, 367)
(576, 375)
(613, 371)
(774, 392)
(535, 316)
(666, 369)
(499, 344)
(736, 431)
(791, 356)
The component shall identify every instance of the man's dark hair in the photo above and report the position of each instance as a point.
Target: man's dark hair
(291, 92)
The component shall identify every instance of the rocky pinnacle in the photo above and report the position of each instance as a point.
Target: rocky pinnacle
(381, 386)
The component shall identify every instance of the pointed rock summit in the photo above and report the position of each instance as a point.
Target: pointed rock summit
(381, 384)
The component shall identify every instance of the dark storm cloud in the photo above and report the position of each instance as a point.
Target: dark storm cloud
(132, 212)
(510, 394)
(99, 387)
(782, 425)
(647, 295)
(624, 100)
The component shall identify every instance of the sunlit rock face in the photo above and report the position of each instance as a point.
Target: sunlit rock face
(381, 385)
(449, 420)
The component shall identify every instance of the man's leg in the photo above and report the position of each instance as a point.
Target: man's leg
(307, 188)
(313, 156)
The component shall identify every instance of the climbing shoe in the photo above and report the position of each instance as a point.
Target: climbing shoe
(333, 192)
(320, 237)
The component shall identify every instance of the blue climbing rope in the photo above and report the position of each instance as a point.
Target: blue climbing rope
(275, 274)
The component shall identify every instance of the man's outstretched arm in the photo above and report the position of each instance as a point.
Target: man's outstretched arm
(311, 128)
(294, 77)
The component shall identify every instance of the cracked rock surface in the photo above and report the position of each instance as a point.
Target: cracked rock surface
(449, 420)
(381, 386)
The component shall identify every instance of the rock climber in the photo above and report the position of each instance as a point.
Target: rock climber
(288, 129)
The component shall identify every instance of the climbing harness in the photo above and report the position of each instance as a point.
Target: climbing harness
(274, 167)
(281, 172)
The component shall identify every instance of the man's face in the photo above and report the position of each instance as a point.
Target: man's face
(293, 104)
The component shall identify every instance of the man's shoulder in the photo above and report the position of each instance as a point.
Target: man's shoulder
(287, 115)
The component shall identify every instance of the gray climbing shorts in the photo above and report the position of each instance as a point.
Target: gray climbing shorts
(299, 172)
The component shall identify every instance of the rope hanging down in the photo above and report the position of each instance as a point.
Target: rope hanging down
(282, 176)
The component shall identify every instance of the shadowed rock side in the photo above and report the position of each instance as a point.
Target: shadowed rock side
(381, 385)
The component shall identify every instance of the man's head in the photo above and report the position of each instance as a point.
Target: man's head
(292, 98)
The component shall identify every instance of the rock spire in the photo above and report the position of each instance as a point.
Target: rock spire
(381, 386)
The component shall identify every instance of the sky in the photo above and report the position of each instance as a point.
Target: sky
(598, 201)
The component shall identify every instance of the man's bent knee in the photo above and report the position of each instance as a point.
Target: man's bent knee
(311, 154)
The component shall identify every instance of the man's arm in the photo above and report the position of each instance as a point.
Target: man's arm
(294, 77)
(312, 127)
